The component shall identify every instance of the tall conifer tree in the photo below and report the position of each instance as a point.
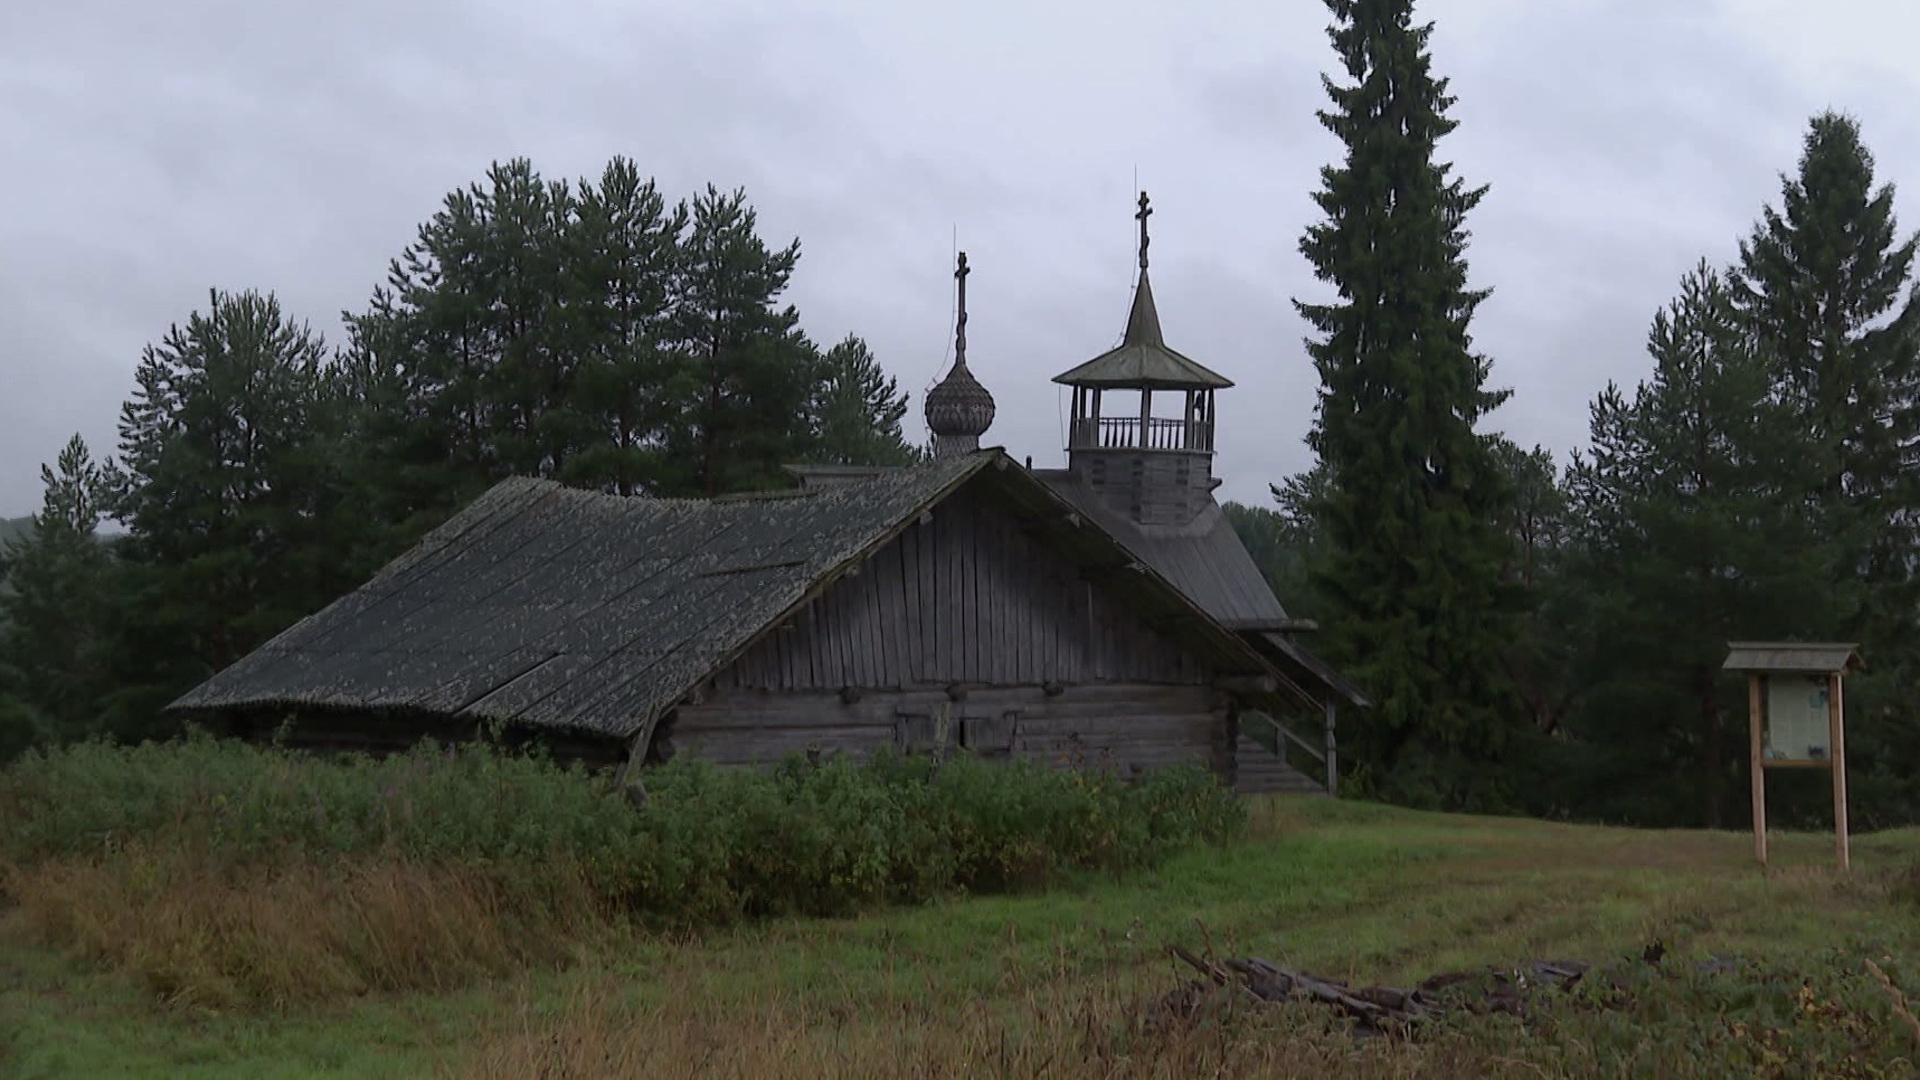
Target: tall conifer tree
(623, 263)
(54, 610)
(1415, 502)
(748, 371)
(228, 488)
(1826, 282)
(1685, 544)
(857, 410)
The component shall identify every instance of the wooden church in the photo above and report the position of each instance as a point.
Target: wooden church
(1102, 615)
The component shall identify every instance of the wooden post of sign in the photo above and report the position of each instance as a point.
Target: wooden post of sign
(1756, 701)
(1333, 759)
(1837, 748)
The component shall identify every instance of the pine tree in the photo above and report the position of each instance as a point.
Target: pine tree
(624, 262)
(228, 489)
(1685, 542)
(463, 368)
(588, 333)
(857, 410)
(1415, 499)
(54, 627)
(747, 373)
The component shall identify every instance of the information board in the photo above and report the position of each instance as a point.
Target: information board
(1797, 725)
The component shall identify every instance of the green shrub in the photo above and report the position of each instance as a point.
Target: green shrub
(242, 801)
(710, 845)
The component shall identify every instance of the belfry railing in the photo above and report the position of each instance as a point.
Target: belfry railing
(1129, 432)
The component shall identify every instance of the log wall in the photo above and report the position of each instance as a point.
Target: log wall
(966, 623)
(1123, 726)
(1153, 487)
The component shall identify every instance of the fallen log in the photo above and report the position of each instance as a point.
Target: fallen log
(1380, 1009)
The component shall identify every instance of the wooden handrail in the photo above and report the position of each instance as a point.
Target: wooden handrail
(1318, 754)
(1127, 432)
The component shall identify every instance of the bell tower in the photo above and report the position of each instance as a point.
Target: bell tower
(1156, 468)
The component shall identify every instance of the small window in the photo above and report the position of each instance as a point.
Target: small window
(990, 736)
(921, 733)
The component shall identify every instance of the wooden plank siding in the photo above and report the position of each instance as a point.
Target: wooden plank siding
(970, 600)
(1122, 726)
(955, 602)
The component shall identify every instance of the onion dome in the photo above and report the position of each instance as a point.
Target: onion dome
(959, 410)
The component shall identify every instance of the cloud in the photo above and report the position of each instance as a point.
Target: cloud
(161, 150)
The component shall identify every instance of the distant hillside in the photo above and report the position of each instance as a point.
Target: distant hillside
(12, 527)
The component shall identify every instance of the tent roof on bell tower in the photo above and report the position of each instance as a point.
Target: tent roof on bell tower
(1143, 360)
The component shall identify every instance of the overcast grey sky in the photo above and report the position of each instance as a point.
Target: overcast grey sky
(158, 150)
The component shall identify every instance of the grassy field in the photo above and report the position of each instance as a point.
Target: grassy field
(1057, 983)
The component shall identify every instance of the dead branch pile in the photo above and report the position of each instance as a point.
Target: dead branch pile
(1377, 1009)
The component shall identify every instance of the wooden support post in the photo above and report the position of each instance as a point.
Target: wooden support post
(1146, 415)
(1757, 765)
(1837, 749)
(1333, 763)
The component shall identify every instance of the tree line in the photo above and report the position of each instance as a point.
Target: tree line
(1539, 636)
(592, 332)
(1547, 637)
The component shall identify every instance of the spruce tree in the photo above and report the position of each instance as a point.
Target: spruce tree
(1536, 526)
(54, 621)
(1826, 282)
(1415, 500)
(857, 410)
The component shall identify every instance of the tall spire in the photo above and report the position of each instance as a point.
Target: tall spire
(1143, 322)
(1143, 359)
(959, 410)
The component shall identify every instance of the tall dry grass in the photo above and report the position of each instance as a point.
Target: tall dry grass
(1065, 1028)
(1774, 1024)
(200, 932)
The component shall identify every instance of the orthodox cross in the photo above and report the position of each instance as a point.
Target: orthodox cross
(1145, 210)
(960, 324)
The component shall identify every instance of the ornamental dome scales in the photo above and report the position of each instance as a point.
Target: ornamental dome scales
(958, 410)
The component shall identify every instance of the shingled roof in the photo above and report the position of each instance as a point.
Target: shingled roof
(574, 610)
(1143, 359)
(1204, 557)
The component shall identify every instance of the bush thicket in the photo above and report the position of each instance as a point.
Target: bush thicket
(709, 845)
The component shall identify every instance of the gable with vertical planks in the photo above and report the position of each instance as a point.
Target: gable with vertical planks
(967, 595)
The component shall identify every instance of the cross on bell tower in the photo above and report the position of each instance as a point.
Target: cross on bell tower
(1146, 211)
(1157, 470)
